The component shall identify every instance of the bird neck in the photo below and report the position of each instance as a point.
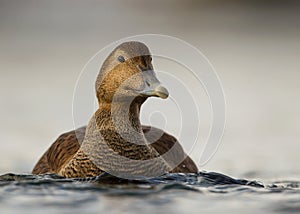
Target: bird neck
(114, 141)
(120, 117)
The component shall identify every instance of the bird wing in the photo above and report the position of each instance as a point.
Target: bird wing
(170, 149)
(60, 152)
(67, 144)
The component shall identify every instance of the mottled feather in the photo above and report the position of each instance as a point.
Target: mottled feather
(67, 145)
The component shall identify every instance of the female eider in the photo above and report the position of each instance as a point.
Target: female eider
(114, 140)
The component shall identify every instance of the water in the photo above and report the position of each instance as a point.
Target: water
(171, 193)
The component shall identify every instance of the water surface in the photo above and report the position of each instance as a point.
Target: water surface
(207, 192)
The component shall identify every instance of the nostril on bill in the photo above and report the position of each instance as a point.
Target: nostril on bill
(148, 84)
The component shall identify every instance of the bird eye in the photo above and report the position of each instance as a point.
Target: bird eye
(121, 58)
(150, 59)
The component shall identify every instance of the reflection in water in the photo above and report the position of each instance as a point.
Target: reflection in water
(64, 195)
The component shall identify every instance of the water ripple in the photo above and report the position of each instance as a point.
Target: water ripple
(19, 192)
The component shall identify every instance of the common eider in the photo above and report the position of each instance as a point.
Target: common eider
(114, 141)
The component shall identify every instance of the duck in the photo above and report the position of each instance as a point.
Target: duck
(115, 141)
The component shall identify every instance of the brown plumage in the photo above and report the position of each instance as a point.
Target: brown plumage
(67, 144)
(114, 140)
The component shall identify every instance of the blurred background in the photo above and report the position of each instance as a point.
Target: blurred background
(253, 45)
